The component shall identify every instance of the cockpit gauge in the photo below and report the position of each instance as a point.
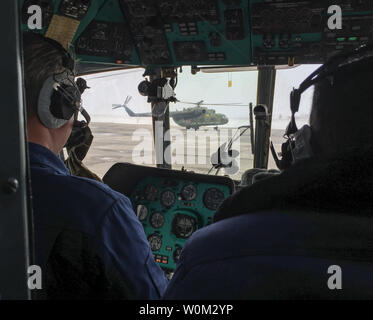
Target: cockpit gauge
(156, 220)
(141, 212)
(189, 192)
(150, 192)
(183, 226)
(168, 198)
(155, 241)
(213, 198)
(176, 254)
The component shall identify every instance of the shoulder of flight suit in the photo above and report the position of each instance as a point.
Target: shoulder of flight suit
(99, 188)
(267, 254)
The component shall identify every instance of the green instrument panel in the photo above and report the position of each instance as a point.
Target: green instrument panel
(162, 33)
(171, 210)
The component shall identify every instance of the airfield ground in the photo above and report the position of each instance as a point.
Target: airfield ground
(113, 143)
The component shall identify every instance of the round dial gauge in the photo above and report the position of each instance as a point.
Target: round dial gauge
(141, 212)
(157, 220)
(155, 242)
(176, 254)
(189, 192)
(167, 198)
(213, 198)
(183, 226)
(150, 192)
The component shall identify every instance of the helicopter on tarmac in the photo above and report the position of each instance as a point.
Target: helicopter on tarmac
(189, 118)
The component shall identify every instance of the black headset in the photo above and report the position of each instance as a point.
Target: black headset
(60, 96)
(298, 144)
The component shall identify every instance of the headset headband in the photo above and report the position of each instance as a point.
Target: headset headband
(68, 61)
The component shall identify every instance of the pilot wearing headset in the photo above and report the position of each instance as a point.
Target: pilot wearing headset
(305, 233)
(88, 240)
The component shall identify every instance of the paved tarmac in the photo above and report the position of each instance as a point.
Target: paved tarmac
(115, 143)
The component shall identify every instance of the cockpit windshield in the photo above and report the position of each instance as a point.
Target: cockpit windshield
(210, 110)
(213, 109)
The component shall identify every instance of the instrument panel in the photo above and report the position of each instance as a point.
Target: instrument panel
(170, 204)
(171, 210)
(106, 39)
(164, 33)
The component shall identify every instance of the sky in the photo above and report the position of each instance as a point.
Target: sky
(113, 87)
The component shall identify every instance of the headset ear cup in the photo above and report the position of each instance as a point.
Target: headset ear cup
(44, 106)
(61, 106)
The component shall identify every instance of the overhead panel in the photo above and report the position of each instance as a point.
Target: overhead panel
(297, 32)
(162, 33)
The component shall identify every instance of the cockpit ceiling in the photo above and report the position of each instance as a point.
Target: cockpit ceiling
(172, 33)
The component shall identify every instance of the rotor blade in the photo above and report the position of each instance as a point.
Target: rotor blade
(214, 104)
(185, 102)
(128, 99)
(225, 104)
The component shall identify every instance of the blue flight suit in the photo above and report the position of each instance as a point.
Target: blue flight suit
(277, 255)
(88, 239)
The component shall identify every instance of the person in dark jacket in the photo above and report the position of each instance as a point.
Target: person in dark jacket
(306, 233)
(88, 240)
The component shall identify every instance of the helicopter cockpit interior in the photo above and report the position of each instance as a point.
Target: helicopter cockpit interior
(162, 36)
